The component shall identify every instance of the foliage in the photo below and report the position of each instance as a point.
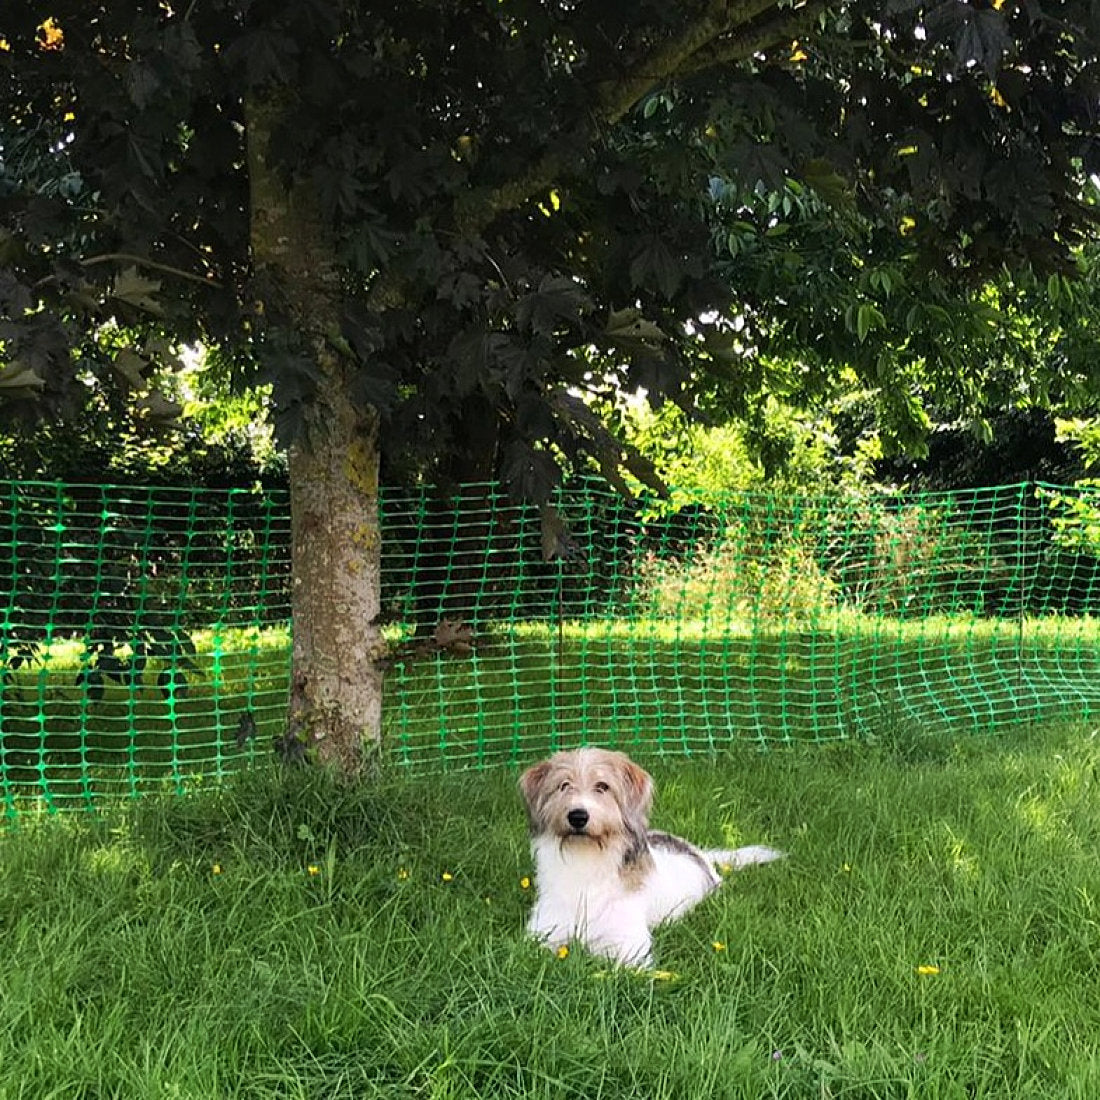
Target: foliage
(453, 226)
(131, 574)
(893, 557)
(778, 447)
(729, 582)
(784, 559)
(1076, 516)
(101, 444)
(201, 433)
(84, 560)
(1026, 445)
(506, 185)
(930, 350)
(1083, 434)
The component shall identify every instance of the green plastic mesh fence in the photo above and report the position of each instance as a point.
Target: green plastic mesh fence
(144, 633)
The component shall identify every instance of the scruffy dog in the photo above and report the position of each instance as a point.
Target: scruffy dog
(603, 877)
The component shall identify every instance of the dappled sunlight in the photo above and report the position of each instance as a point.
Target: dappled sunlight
(915, 916)
(957, 855)
(1039, 815)
(116, 859)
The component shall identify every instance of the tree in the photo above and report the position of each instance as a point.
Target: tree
(439, 226)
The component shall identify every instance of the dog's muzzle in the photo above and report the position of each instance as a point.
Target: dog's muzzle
(577, 819)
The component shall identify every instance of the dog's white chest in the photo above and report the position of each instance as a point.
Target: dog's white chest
(582, 897)
(578, 890)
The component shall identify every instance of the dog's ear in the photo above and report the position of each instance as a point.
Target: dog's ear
(532, 780)
(639, 787)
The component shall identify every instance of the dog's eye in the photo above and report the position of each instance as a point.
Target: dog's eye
(564, 785)
(602, 788)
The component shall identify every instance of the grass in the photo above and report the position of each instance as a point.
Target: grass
(528, 689)
(287, 937)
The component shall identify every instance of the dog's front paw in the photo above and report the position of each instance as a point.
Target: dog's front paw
(634, 952)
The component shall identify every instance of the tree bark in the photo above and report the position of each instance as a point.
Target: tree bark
(335, 704)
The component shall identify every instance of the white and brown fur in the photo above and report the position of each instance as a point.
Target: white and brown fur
(603, 877)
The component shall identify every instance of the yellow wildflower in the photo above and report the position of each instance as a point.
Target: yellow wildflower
(216, 869)
(313, 869)
(562, 952)
(525, 883)
(928, 969)
(718, 945)
(402, 873)
(447, 876)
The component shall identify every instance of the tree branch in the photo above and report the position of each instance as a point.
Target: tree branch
(138, 261)
(617, 97)
(613, 99)
(782, 26)
(153, 265)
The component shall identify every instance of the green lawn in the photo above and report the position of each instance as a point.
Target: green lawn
(286, 937)
(656, 688)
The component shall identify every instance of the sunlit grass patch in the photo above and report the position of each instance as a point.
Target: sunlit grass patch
(655, 687)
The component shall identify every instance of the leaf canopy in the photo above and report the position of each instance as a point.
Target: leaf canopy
(533, 202)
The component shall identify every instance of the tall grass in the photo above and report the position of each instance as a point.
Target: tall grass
(934, 933)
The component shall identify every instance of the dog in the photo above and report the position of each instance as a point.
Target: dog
(603, 878)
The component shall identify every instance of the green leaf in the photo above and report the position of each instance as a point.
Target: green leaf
(833, 188)
(130, 368)
(629, 326)
(868, 317)
(558, 302)
(654, 265)
(17, 382)
(160, 409)
(135, 289)
(476, 360)
(557, 543)
(756, 163)
(142, 83)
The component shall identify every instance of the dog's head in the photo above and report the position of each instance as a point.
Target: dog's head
(588, 795)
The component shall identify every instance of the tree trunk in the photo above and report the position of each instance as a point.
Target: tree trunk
(335, 705)
(336, 681)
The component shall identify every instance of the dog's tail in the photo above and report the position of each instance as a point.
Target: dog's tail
(736, 858)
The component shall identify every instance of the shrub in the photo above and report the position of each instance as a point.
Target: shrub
(740, 577)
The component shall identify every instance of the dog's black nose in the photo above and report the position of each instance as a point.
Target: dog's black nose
(577, 819)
